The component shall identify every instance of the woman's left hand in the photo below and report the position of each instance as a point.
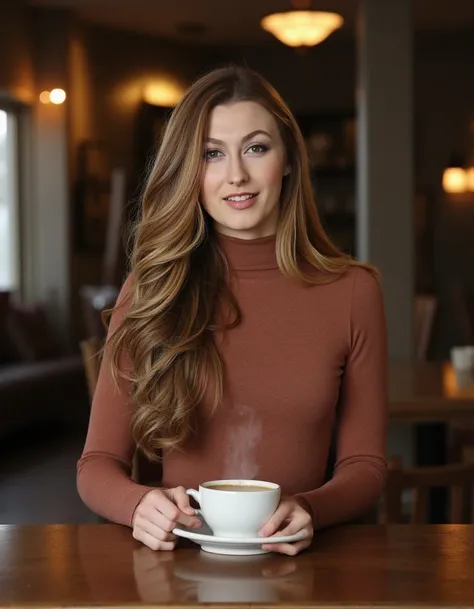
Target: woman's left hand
(290, 517)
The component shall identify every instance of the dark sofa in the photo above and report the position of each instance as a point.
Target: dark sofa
(38, 384)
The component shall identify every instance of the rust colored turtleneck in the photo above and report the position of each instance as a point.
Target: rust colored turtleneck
(299, 353)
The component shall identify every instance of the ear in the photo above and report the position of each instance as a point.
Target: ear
(287, 170)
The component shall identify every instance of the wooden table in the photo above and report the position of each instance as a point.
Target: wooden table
(351, 566)
(429, 392)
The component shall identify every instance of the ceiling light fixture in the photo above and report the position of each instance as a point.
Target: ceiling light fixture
(302, 28)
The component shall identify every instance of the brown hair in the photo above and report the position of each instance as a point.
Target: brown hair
(179, 275)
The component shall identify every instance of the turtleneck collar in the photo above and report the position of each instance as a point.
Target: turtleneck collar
(249, 254)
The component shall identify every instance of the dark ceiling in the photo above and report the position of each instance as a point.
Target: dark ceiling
(237, 21)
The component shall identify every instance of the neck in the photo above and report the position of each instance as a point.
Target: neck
(244, 235)
(249, 254)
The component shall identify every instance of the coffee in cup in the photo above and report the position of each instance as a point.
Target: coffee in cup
(236, 508)
(239, 488)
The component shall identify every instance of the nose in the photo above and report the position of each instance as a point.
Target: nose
(237, 173)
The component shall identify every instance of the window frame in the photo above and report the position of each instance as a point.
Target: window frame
(16, 115)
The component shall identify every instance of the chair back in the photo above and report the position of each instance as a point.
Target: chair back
(91, 349)
(425, 310)
(458, 478)
(95, 299)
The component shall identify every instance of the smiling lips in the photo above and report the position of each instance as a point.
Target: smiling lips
(242, 200)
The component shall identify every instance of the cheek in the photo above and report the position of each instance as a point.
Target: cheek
(210, 184)
(272, 173)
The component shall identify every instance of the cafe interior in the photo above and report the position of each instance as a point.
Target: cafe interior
(384, 95)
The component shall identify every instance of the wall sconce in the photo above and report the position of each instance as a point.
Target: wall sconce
(55, 96)
(457, 178)
(161, 92)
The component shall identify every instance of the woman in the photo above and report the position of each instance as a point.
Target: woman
(238, 331)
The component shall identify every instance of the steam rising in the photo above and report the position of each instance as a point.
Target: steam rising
(243, 437)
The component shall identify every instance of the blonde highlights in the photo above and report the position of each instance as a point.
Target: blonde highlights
(179, 295)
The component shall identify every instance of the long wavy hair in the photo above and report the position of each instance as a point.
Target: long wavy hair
(179, 277)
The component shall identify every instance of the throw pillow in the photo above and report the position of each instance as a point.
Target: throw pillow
(29, 331)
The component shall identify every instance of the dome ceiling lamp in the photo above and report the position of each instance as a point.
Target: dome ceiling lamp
(302, 27)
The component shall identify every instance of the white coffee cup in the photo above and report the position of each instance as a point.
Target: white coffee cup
(238, 511)
(462, 358)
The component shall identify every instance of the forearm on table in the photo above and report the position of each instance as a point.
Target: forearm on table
(105, 486)
(352, 492)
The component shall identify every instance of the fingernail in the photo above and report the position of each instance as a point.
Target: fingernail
(262, 533)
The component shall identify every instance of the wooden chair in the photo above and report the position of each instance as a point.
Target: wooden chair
(91, 350)
(425, 310)
(458, 478)
(95, 299)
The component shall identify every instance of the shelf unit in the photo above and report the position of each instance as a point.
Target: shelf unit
(330, 142)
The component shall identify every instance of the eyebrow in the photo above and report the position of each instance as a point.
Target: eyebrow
(246, 138)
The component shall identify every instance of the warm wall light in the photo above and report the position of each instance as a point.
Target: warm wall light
(57, 96)
(162, 93)
(44, 97)
(454, 180)
(470, 179)
(302, 28)
(454, 176)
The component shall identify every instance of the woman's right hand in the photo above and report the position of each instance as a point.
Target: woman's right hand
(158, 513)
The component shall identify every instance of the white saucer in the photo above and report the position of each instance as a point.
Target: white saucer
(236, 547)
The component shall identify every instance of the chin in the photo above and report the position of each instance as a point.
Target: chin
(240, 226)
(247, 231)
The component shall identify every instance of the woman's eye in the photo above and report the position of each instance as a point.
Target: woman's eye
(212, 154)
(258, 148)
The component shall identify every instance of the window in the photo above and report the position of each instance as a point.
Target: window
(9, 212)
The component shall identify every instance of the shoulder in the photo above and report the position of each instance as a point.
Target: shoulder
(366, 296)
(354, 293)
(364, 283)
(357, 282)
